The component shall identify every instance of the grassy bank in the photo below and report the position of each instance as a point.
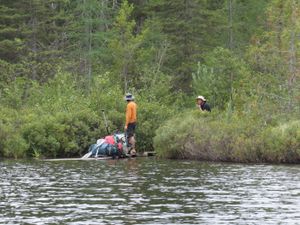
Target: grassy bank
(219, 137)
(60, 119)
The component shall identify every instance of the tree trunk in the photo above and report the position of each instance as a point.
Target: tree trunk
(279, 30)
(124, 72)
(89, 74)
(33, 45)
(87, 46)
(230, 44)
(292, 56)
(103, 25)
(230, 21)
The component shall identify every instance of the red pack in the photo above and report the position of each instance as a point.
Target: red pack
(110, 140)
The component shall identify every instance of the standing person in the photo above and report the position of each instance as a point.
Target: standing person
(201, 104)
(130, 123)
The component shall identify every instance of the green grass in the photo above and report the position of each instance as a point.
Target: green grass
(214, 137)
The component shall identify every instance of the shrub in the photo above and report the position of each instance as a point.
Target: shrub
(60, 119)
(214, 137)
(62, 135)
(150, 116)
(15, 147)
(171, 138)
(282, 142)
(222, 76)
(4, 134)
(12, 144)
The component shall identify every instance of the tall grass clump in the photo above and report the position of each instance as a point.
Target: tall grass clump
(217, 137)
(282, 142)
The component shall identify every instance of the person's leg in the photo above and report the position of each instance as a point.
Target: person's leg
(132, 141)
(132, 150)
(131, 138)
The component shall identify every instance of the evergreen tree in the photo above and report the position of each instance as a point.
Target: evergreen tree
(34, 34)
(191, 29)
(244, 20)
(11, 32)
(45, 36)
(89, 36)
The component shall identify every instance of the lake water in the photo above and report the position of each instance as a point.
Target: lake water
(148, 191)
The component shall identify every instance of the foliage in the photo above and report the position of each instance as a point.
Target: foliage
(62, 135)
(275, 52)
(59, 120)
(187, 26)
(212, 137)
(54, 121)
(282, 142)
(222, 78)
(63, 62)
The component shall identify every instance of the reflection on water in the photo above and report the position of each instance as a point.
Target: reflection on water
(147, 191)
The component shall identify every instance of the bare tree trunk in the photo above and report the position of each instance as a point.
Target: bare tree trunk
(279, 30)
(33, 23)
(83, 63)
(293, 47)
(89, 75)
(125, 62)
(292, 60)
(230, 21)
(114, 4)
(292, 56)
(88, 46)
(159, 58)
(161, 54)
(230, 44)
(104, 26)
(187, 14)
(124, 72)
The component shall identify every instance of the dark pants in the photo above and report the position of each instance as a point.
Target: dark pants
(130, 130)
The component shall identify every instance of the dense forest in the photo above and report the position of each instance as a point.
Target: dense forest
(64, 61)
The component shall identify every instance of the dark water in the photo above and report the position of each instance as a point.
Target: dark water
(147, 191)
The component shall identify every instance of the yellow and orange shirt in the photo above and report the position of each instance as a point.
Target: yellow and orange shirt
(131, 113)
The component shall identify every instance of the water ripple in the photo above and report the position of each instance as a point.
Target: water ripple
(147, 191)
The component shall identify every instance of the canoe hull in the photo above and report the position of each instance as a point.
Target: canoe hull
(144, 154)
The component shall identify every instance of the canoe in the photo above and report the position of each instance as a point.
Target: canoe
(143, 154)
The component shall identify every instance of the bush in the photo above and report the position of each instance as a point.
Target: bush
(222, 76)
(12, 144)
(282, 142)
(63, 135)
(60, 119)
(214, 137)
(54, 120)
(150, 116)
(15, 147)
(4, 135)
(171, 140)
